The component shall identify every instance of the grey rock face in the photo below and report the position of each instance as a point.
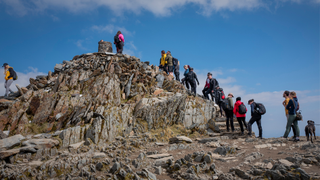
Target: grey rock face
(115, 167)
(160, 79)
(58, 67)
(11, 141)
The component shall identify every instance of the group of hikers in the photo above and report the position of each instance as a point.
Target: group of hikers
(171, 65)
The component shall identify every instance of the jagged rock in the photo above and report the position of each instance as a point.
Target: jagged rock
(7, 153)
(3, 135)
(160, 79)
(180, 139)
(41, 143)
(150, 175)
(99, 166)
(98, 155)
(11, 141)
(115, 167)
(76, 145)
(163, 161)
(158, 170)
(58, 67)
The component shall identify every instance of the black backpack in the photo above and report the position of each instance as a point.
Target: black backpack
(14, 75)
(260, 109)
(226, 106)
(242, 109)
(116, 39)
(174, 61)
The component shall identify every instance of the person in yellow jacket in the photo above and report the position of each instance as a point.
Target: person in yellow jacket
(163, 62)
(8, 72)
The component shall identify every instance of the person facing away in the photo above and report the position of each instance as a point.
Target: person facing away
(208, 87)
(229, 113)
(169, 63)
(285, 103)
(255, 117)
(218, 97)
(241, 118)
(192, 78)
(292, 108)
(163, 63)
(8, 72)
(185, 74)
(121, 42)
(176, 65)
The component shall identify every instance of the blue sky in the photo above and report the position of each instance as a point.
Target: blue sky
(255, 48)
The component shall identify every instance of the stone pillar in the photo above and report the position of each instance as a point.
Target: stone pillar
(104, 46)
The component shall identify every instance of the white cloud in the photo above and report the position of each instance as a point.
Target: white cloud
(23, 79)
(55, 18)
(110, 28)
(158, 8)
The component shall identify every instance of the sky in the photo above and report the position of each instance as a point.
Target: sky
(254, 48)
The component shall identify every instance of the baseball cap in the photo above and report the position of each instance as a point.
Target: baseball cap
(4, 64)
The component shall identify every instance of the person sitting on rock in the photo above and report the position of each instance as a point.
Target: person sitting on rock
(185, 79)
(240, 117)
(192, 78)
(255, 117)
(169, 63)
(208, 87)
(8, 72)
(163, 63)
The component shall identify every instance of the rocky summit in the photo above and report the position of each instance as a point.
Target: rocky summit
(111, 116)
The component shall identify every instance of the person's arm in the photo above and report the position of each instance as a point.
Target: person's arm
(7, 76)
(298, 106)
(284, 103)
(252, 109)
(231, 102)
(121, 38)
(10, 73)
(195, 75)
(235, 108)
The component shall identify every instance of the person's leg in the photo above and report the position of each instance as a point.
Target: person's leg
(193, 87)
(231, 120)
(227, 121)
(177, 74)
(212, 96)
(288, 127)
(294, 131)
(296, 127)
(7, 85)
(187, 84)
(220, 106)
(259, 127)
(204, 90)
(239, 119)
(244, 122)
(121, 44)
(251, 121)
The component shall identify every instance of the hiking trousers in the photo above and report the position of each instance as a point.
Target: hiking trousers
(291, 120)
(242, 122)
(184, 81)
(229, 114)
(206, 91)
(177, 74)
(120, 47)
(193, 87)
(257, 119)
(7, 85)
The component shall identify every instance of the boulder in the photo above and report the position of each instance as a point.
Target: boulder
(41, 143)
(11, 141)
(6, 153)
(180, 139)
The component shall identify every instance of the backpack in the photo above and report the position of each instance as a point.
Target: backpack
(116, 39)
(174, 61)
(260, 109)
(226, 105)
(242, 109)
(222, 95)
(14, 75)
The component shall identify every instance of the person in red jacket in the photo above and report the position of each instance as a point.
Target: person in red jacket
(240, 117)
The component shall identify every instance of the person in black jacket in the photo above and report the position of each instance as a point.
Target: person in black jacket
(207, 87)
(213, 85)
(192, 78)
(176, 65)
(255, 117)
(218, 98)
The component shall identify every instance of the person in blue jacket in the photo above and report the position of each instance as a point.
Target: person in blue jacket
(292, 108)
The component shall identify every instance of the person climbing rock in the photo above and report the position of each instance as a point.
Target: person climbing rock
(207, 90)
(185, 79)
(9, 73)
(192, 78)
(241, 116)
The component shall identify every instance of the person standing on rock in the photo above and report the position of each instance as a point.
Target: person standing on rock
(292, 108)
(169, 63)
(9, 73)
(192, 78)
(241, 118)
(285, 103)
(119, 41)
(255, 117)
(229, 112)
(185, 79)
(163, 63)
(219, 98)
(209, 87)
(176, 65)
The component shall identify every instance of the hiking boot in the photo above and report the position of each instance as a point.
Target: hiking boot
(11, 92)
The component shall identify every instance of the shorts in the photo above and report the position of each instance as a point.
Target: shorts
(170, 68)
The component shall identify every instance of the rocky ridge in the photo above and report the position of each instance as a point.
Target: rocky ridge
(107, 116)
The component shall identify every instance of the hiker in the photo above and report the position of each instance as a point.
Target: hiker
(209, 87)
(192, 78)
(169, 63)
(229, 113)
(285, 103)
(255, 117)
(119, 42)
(240, 113)
(8, 72)
(176, 65)
(163, 62)
(219, 96)
(292, 108)
(185, 79)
